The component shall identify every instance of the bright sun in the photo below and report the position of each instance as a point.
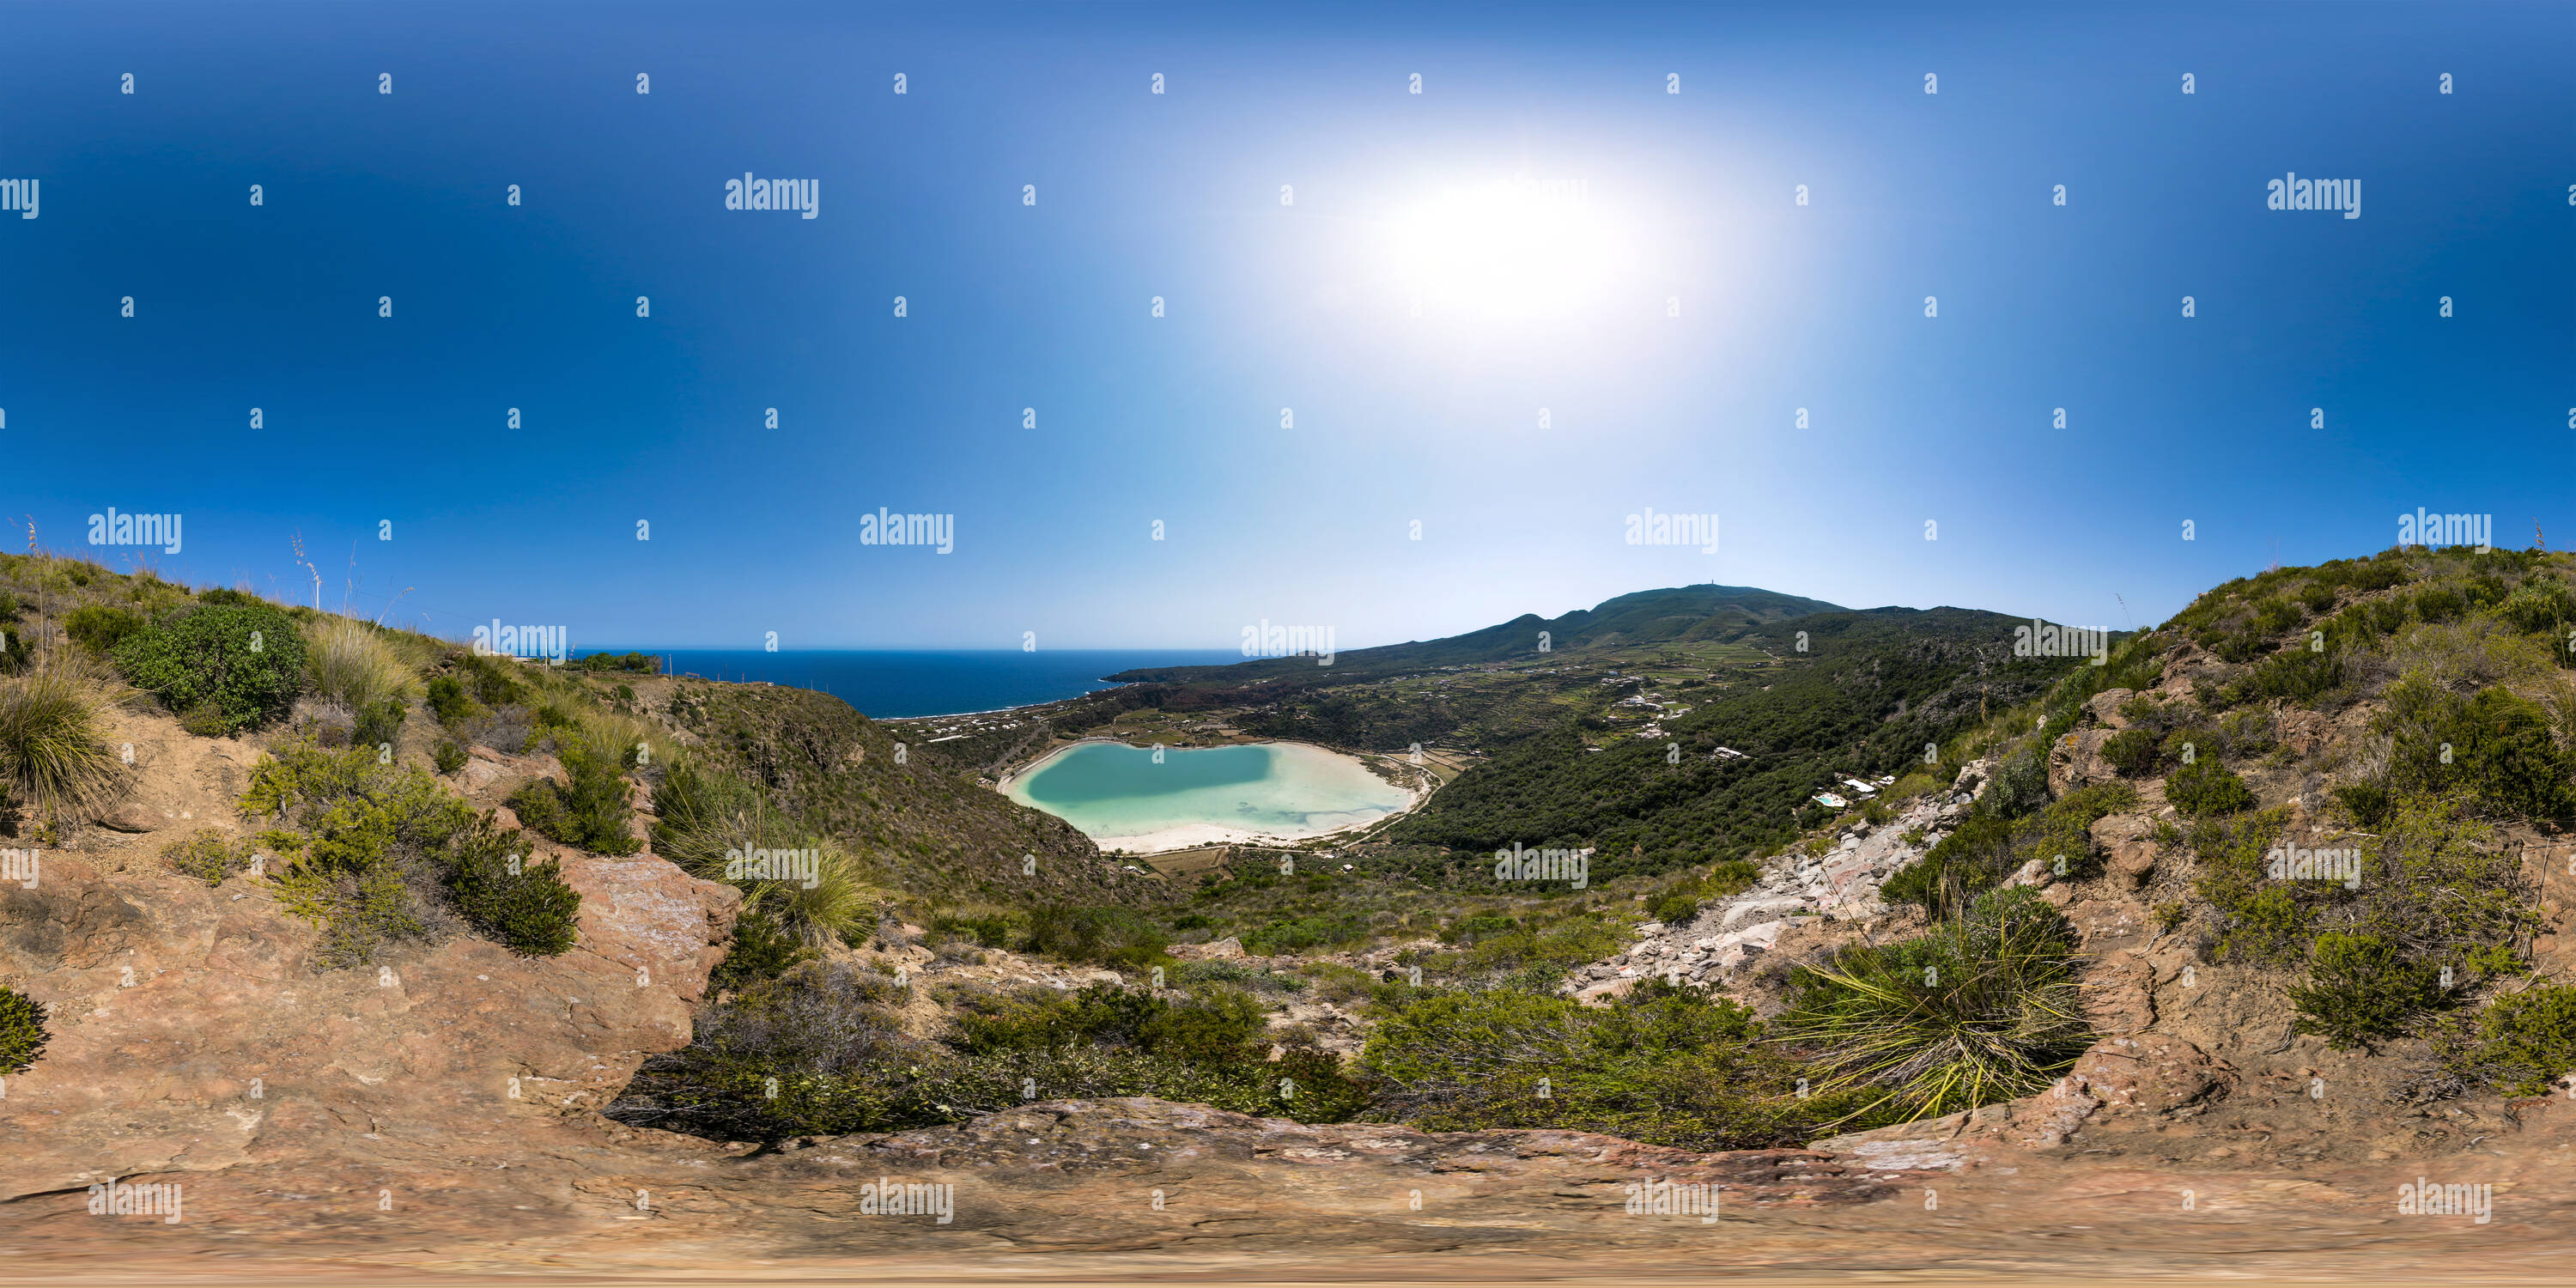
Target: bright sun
(1510, 249)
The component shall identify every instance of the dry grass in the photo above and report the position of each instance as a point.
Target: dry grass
(353, 665)
(53, 737)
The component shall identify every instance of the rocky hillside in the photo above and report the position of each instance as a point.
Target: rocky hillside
(922, 822)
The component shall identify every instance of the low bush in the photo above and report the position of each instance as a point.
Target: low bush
(351, 664)
(2132, 751)
(512, 900)
(447, 701)
(2361, 989)
(1986, 849)
(1982, 1009)
(2496, 745)
(228, 668)
(712, 823)
(373, 854)
(591, 812)
(53, 739)
(220, 596)
(100, 628)
(448, 756)
(1297, 934)
(22, 1031)
(205, 855)
(2205, 787)
(1108, 936)
(761, 950)
(1664, 1065)
(822, 1050)
(2521, 1043)
(379, 724)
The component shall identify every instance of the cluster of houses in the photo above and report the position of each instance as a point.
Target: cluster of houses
(1860, 790)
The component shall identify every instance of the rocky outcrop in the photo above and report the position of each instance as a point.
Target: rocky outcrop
(192, 1031)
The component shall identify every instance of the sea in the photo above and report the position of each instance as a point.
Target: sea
(893, 685)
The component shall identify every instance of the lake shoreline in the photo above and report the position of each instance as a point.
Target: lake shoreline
(1191, 836)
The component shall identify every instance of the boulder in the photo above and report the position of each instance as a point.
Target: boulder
(2129, 841)
(2076, 760)
(1755, 911)
(2105, 707)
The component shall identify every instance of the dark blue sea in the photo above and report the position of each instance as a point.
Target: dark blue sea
(895, 684)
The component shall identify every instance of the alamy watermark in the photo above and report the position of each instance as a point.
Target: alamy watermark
(886, 1197)
(1673, 1198)
(115, 1198)
(2423, 529)
(804, 866)
(1521, 863)
(2422, 1197)
(2046, 639)
(19, 195)
(884, 528)
(1652, 529)
(801, 196)
(116, 528)
(2294, 193)
(21, 866)
(2296, 863)
(1268, 640)
(497, 640)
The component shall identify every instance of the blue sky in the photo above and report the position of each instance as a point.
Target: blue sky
(1556, 304)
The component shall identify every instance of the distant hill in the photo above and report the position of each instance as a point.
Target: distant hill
(1678, 613)
(1868, 692)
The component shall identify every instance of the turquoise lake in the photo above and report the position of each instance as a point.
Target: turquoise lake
(1121, 798)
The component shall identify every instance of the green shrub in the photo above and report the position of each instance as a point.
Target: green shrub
(2318, 596)
(1109, 936)
(53, 739)
(2540, 604)
(2273, 616)
(2207, 787)
(2497, 745)
(2361, 990)
(11, 608)
(236, 666)
(1668, 1066)
(2521, 1043)
(761, 950)
(522, 904)
(204, 855)
(823, 1051)
(1985, 849)
(372, 854)
(2021, 782)
(219, 596)
(1982, 1009)
(591, 813)
(22, 1031)
(2298, 674)
(2438, 604)
(447, 701)
(379, 723)
(2132, 751)
(1297, 934)
(448, 756)
(100, 628)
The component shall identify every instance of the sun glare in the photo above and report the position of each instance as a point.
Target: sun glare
(1511, 249)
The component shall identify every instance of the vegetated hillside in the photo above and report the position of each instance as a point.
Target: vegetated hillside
(925, 825)
(1872, 691)
(1645, 617)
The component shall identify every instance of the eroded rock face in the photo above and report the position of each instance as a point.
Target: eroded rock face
(2129, 842)
(192, 1031)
